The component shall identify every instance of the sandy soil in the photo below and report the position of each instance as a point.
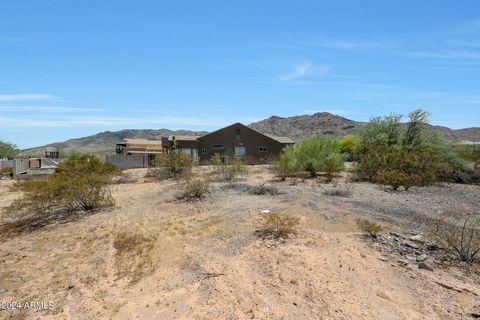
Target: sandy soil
(203, 261)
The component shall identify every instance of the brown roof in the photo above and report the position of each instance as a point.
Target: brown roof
(279, 139)
(142, 141)
(183, 138)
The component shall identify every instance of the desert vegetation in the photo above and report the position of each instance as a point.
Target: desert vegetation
(8, 150)
(78, 185)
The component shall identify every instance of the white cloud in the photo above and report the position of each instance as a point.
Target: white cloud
(47, 109)
(124, 122)
(303, 69)
(25, 97)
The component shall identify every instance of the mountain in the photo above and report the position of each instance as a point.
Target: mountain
(105, 142)
(296, 128)
(301, 127)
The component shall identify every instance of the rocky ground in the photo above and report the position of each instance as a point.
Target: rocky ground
(153, 257)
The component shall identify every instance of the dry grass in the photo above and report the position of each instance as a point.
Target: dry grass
(260, 189)
(193, 188)
(338, 191)
(370, 228)
(132, 257)
(277, 225)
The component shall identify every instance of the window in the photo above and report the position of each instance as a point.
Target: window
(237, 132)
(240, 152)
(262, 149)
(204, 151)
(217, 146)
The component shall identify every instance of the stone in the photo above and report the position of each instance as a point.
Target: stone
(411, 244)
(424, 266)
(383, 258)
(422, 257)
(417, 238)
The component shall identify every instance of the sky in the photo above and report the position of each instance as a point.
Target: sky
(73, 68)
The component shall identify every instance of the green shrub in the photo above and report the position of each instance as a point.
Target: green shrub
(78, 184)
(176, 162)
(348, 144)
(314, 155)
(8, 150)
(281, 167)
(394, 154)
(277, 225)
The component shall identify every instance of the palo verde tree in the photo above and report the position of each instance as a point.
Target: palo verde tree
(8, 150)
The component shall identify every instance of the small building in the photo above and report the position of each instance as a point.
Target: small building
(150, 148)
(234, 141)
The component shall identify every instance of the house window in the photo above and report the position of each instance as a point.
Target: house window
(237, 132)
(262, 149)
(204, 151)
(240, 152)
(217, 146)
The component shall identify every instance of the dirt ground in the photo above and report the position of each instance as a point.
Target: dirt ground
(152, 257)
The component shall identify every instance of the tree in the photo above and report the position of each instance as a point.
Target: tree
(8, 150)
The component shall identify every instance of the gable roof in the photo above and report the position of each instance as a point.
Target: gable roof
(278, 139)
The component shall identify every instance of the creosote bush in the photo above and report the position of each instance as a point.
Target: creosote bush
(192, 188)
(78, 184)
(281, 167)
(230, 170)
(459, 232)
(277, 225)
(370, 228)
(176, 162)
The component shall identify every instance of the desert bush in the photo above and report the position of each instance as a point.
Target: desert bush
(459, 233)
(396, 154)
(348, 144)
(281, 167)
(78, 184)
(315, 155)
(176, 162)
(338, 191)
(6, 170)
(277, 225)
(370, 228)
(396, 179)
(8, 150)
(233, 169)
(132, 255)
(193, 188)
(260, 189)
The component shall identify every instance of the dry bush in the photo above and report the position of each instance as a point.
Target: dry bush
(177, 163)
(132, 255)
(281, 167)
(192, 188)
(77, 185)
(338, 191)
(6, 170)
(370, 228)
(396, 179)
(459, 232)
(258, 190)
(277, 225)
(234, 169)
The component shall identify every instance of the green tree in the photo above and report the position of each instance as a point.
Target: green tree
(8, 150)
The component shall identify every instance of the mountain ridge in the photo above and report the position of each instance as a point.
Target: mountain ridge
(295, 127)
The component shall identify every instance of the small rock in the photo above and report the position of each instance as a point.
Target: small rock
(265, 211)
(411, 244)
(403, 262)
(71, 286)
(383, 258)
(410, 258)
(424, 266)
(2, 291)
(417, 238)
(422, 257)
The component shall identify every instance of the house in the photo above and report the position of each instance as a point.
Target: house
(234, 141)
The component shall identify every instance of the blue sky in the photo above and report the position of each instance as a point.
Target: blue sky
(74, 68)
